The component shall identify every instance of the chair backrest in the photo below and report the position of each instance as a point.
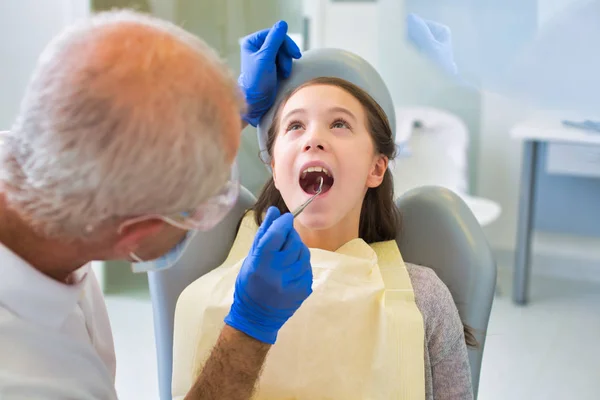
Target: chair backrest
(438, 231)
(207, 251)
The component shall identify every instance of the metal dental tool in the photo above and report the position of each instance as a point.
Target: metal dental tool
(307, 202)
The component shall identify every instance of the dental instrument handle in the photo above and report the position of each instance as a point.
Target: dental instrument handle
(307, 202)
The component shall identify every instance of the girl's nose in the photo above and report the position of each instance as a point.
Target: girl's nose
(309, 146)
(314, 140)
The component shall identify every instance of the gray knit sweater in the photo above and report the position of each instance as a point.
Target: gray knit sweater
(447, 370)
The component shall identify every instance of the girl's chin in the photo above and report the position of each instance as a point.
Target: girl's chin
(315, 220)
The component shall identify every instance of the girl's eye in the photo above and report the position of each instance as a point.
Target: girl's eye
(294, 126)
(340, 124)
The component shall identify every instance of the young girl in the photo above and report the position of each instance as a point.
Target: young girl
(332, 130)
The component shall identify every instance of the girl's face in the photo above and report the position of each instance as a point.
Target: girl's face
(323, 134)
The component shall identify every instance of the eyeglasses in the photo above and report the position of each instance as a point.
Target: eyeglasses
(208, 214)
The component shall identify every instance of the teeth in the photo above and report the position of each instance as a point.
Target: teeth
(315, 169)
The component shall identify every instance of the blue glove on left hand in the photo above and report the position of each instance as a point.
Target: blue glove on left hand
(434, 40)
(266, 58)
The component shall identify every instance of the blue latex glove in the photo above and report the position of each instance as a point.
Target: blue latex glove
(274, 280)
(266, 58)
(434, 40)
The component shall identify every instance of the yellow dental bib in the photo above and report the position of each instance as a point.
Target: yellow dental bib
(358, 336)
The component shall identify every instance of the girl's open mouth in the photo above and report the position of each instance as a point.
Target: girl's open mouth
(309, 180)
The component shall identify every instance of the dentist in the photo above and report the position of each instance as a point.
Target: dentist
(124, 146)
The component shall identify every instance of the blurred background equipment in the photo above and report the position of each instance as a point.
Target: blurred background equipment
(434, 148)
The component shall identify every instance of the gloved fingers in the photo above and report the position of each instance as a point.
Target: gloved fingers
(418, 31)
(288, 51)
(434, 40)
(300, 266)
(302, 281)
(275, 39)
(304, 256)
(275, 236)
(284, 65)
(254, 41)
(272, 214)
(291, 249)
(291, 48)
(440, 32)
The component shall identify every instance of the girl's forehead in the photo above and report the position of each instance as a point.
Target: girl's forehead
(320, 98)
(317, 90)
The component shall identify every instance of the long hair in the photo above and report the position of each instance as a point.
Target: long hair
(379, 216)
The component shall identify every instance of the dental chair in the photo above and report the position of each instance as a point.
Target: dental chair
(437, 230)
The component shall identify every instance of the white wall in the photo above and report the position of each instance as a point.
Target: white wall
(547, 9)
(26, 26)
(499, 165)
(353, 27)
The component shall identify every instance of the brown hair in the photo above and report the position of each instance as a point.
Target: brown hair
(379, 216)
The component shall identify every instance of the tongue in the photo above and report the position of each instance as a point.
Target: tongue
(311, 182)
(317, 184)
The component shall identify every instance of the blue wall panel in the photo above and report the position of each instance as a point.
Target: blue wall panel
(566, 204)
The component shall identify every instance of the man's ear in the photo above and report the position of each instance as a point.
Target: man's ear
(377, 172)
(131, 235)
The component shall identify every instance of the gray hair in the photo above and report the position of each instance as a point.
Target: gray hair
(120, 129)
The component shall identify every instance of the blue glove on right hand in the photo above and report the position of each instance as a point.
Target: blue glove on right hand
(434, 40)
(274, 280)
(266, 58)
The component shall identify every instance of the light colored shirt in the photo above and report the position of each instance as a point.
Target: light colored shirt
(55, 339)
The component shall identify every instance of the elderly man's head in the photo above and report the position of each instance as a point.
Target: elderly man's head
(125, 116)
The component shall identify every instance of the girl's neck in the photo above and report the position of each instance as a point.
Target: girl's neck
(332, 238)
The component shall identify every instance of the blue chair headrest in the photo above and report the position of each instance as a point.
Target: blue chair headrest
(336, 63)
